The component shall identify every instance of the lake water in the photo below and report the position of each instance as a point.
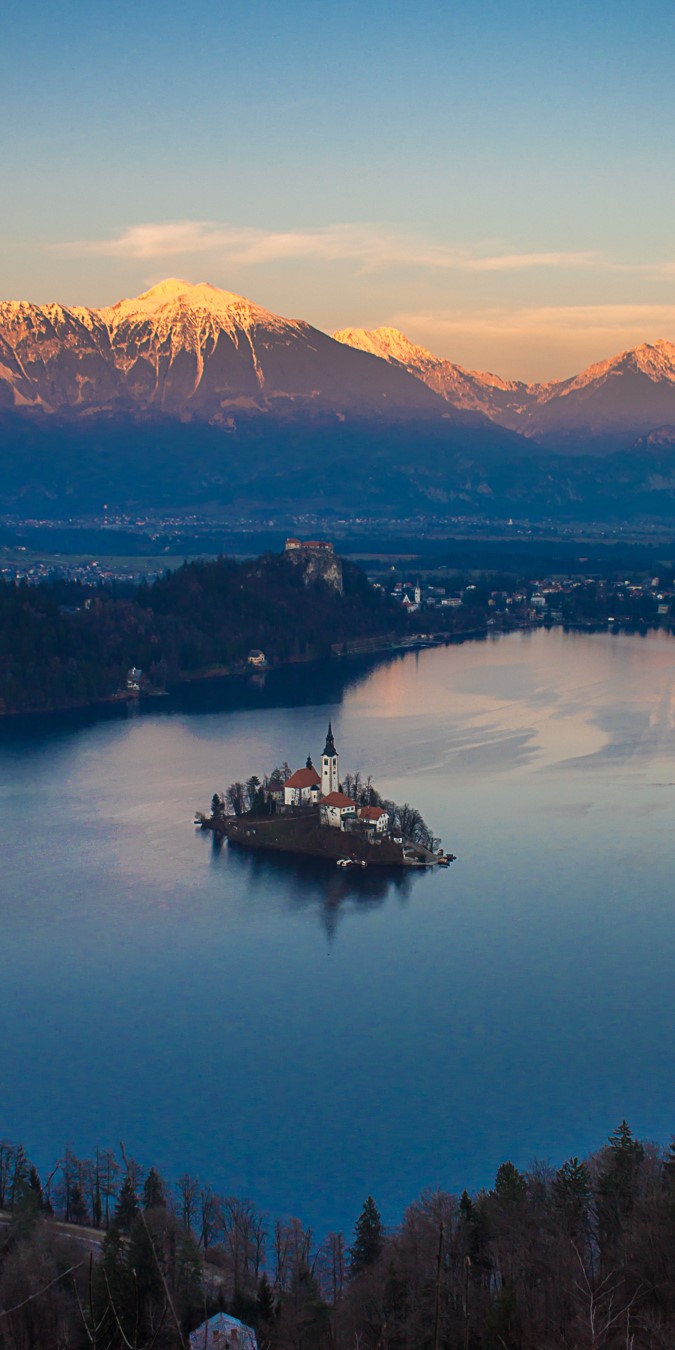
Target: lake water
(304, 1037)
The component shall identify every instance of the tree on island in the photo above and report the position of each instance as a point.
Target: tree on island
(236, 799)
(278, 777)
(217, 806)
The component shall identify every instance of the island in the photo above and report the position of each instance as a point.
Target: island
(311, 812)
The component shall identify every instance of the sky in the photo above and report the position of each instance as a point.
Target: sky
(494, 178)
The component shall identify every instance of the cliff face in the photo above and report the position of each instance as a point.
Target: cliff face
(318, 563)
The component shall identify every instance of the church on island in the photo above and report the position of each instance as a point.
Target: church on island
(309, 787)
(308, 813)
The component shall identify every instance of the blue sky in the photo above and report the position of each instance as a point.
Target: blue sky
(493, 178)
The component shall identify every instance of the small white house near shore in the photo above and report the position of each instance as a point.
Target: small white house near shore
(374, 817)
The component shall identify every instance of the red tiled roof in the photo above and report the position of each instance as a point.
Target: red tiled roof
(303, 778)
(371, 812)
(337, 799)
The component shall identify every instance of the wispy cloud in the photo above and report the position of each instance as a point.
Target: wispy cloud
(372, 247)
(503, 262)
(560, 321)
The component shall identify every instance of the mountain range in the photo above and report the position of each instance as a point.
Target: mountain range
(197, 351)
(191, 351)
(189, 394)
(607, 405)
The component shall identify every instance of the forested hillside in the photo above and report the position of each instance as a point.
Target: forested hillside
(578, 1257)
(63, 644)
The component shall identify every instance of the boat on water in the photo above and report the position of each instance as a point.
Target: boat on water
(351, 862)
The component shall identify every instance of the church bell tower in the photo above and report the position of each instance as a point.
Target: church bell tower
(330, 777)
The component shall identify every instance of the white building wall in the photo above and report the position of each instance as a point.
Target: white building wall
(329, 775)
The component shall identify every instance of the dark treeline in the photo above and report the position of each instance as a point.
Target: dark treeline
(578, 1258)
(63, 643)
(538, 556)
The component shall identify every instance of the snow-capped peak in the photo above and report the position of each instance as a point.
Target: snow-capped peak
(174, 294)
(656, 360)
(389, 343)
(473, 390)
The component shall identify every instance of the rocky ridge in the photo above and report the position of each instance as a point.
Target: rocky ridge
(473, 390)
(612, 401)
(191, 351)
(195, 352)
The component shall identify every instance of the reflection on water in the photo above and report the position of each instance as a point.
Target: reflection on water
(306, 1035)
(315, 882)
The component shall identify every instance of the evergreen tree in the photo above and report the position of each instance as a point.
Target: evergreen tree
(20, 1178)
(368, 1239)
(265, 1301)
(78, 1207)
(618, 1179)
(153, 1191)
(572, 1193)
(35, 1188)
(467, 1209)
(113, 1291)
(127, 1206)
(472, 1226)
(145, 1257)
(510, 1186)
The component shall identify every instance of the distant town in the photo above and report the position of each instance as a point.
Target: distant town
(572, 600)
(480, 580)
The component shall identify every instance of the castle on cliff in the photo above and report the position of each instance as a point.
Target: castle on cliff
(318, 561)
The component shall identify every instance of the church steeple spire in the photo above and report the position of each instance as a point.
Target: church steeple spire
(330, 773)
(329, 748)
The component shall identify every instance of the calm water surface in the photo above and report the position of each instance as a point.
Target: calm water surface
(303, 1037)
